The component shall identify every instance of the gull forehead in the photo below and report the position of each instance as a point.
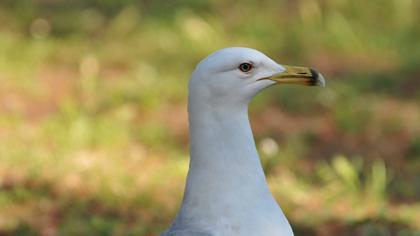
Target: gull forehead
(228, 58)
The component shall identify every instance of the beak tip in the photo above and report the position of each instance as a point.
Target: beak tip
(318, 79)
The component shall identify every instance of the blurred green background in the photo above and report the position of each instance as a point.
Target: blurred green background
(93, 121)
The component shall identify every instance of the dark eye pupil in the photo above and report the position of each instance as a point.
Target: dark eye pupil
(245, 67)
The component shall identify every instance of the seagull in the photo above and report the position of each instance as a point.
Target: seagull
(226, 192)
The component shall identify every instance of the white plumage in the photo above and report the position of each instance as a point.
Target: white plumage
(226, 192)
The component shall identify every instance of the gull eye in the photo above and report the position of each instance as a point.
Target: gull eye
(245, 67)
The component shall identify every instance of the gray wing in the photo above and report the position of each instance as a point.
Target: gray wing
(186, 233)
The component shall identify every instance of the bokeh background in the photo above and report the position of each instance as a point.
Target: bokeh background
(93, 121)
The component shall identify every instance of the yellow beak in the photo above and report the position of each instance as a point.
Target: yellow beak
(299, 75)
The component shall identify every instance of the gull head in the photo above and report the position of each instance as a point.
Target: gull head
(233, 75)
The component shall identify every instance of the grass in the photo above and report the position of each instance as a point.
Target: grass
(93, 121)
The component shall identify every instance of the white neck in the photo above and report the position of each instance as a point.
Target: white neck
(224, 160)
(226, 186)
